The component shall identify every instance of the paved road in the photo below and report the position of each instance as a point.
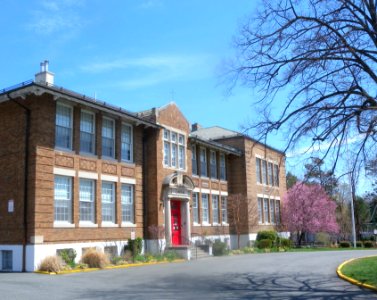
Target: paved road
(259, 276)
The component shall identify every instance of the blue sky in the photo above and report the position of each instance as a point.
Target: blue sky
(136, 54)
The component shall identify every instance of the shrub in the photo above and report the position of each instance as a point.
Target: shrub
(344, 244)
(368, 244)
(68, 256)
(247, 250)
(135, 246)
(285, 243)
(359, 244)
(219, 248)
(323, 239)
(51, 264)
(267, 235)
(171, 255)
(95, 259)
(265, 244)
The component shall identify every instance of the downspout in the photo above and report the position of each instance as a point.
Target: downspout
(145, 182)
(26, 181)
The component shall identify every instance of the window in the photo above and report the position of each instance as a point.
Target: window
(222, 167)
(215, 209)
(194, 161)
(270, 173)
(174, 150)
(126, 143)
(224, 209)
(276, 175)
(127, 204)
(266, 210)
(258, 169)
(264, 172)
(205, 215)
(260, 210)
(203, 162)
(272, 211)
(181, 152)
(108, 137)
(6, 260)
(213, 164)
(87, 132)
(277, 211)
(195, 207)
(63, 199)
(63, 126)
(87, 200)
(108, 202)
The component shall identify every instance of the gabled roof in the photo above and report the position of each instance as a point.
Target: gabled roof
(30, 87)
(216, 133)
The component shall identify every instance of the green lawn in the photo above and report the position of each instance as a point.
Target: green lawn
(325, 249)
(363, 270)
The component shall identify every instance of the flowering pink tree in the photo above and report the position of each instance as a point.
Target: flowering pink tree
(308, 209)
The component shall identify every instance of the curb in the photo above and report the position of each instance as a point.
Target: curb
(109, 268)
(351, 280)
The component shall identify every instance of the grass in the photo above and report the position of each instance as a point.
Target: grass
(311, 249)
(363, 270)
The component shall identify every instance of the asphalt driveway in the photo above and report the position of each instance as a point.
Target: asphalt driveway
(256, 276)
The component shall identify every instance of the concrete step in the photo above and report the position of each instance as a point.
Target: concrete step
(197, 252)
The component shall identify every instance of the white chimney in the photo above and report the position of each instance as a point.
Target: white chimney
(44, 76)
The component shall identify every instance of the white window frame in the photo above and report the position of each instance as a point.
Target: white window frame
(222, 174)
(266, 211)
(112, 202)
(128, 206)
(173, 157)
(113, 137)
(215, 209)
(260, 210)
(131, 145)
(205, 209)
(224, 209)
(276, 175)
(83, 201)
(70, 128)
(270, 173)
(195, 207)
(213, 163)
(203, 162)
(194, 160)
(92, 133)
(69, 201)
(258, 169)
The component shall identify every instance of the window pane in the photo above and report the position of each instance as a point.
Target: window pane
(272, 210)
(174, 155)
(167, 154)
(195, 207)
(213, 164)
(87, 132)
(108, 141)
(127, 203)
(266, 211)
(222, 167)
(270, 173)
(258, 170)
(63, 126)
(203, 162)
(215, 209)
(126, 141)
(63, 199)
(194, 161)
(276, 175)
(108, 203)
(260, 210)
(205, 216)
(86, 200)
(224, 209)
(264, 172)
(181, 157)
(277, 215)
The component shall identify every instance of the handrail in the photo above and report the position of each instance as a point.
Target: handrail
(190, 243)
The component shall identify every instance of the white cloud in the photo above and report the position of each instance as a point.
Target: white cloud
(155, 69)
(52, 17)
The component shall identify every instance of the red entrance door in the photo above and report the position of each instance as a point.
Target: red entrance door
(176, 233)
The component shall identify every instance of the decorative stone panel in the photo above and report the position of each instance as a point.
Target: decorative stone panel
(64, 161)
(109, 168)
(88, 165)
(129, 172)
